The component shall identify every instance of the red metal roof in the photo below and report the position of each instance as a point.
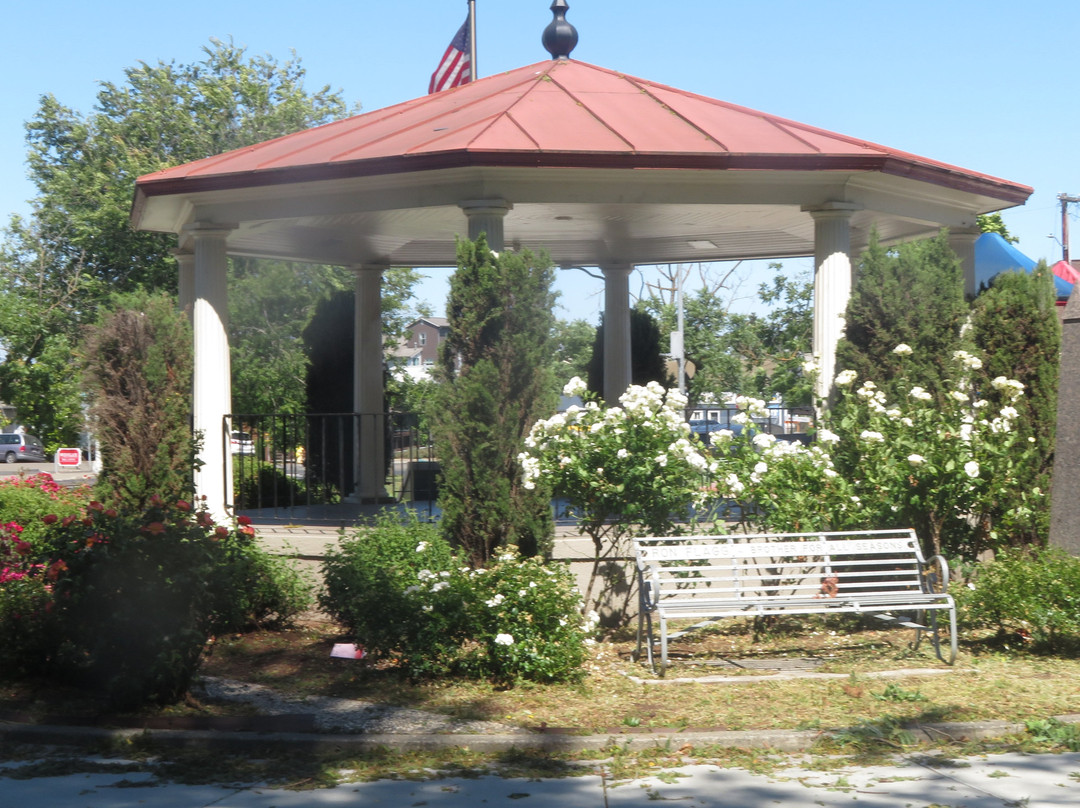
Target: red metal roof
(559, 114)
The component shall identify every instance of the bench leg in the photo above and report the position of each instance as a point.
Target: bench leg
(938, 624)
(663, 645)
(645, 633)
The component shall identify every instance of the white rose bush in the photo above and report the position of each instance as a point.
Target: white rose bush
(942, 467)
(634, 468)
(772, 484)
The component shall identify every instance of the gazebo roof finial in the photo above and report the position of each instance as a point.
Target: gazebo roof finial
(560, 37)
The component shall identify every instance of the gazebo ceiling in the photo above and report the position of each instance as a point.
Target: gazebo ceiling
(598, 167)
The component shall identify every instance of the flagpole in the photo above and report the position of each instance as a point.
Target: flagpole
(472, 39)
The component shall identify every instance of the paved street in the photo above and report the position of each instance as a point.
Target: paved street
(996, 781)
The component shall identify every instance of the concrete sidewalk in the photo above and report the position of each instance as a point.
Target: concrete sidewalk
(993, 781)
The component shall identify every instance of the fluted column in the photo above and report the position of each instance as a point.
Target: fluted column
(617, 374)
(212, 388)
(832, 285)
(962, 242)
(486, 216)
(368, 386)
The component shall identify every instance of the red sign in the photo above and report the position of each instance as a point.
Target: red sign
(68, 457)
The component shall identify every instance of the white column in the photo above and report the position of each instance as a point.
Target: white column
(962, 242)
(368, 392)
(212, 389)
(486, 216)
(832, 285)
(185, 264)
(616, 331)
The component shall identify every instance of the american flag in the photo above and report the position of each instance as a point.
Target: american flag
(455, 68)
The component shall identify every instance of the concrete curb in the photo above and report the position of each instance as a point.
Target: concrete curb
(780, 740)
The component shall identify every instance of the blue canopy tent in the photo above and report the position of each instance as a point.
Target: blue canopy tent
(993, 255)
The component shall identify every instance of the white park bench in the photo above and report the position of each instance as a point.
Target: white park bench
(706, 578)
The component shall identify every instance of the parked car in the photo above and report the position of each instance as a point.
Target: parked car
(14, 448)
(242, 444)
(704, 427)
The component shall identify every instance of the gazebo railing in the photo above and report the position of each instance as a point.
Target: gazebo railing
(287, 461)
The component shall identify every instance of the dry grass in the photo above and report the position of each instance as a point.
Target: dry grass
(617, 693)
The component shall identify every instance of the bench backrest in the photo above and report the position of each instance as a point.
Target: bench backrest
(776, 566)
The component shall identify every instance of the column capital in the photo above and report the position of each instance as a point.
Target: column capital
(486, 216)
(966, 232)
(833, 210)
(209, 228)
(486, 207)
(616, 267)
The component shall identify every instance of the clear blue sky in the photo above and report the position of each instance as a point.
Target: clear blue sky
(990, 87)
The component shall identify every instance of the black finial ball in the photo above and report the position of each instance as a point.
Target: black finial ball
(560, 37)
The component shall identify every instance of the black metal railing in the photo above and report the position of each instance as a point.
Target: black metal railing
(285, 461)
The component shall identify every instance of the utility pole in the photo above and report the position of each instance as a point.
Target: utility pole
(1065, 200)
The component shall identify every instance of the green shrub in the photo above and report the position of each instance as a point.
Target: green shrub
(134, 601)
(369, 583)
(526, 620)
(405, 595)
(136, 597)
(25, 500)
(1034, 594)
(257, 588)
(25, 607)
(257, 484)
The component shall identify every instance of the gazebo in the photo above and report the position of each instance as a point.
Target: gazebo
(598, 168)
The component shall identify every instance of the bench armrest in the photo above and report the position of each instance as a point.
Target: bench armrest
(943, 565)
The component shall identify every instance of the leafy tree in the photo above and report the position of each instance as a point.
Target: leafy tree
(750, 354)
(60, 266)
(573, 349)
(913, 295)
(85, 167)
(496, 379)
(270, 305)
(993, 223)
(647, 363)
(1015, 326)
(138, 373)
(774, 347)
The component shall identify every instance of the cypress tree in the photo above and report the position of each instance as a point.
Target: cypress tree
(912, 295)
(496, 380)
(137, 371)
(1016, 327)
